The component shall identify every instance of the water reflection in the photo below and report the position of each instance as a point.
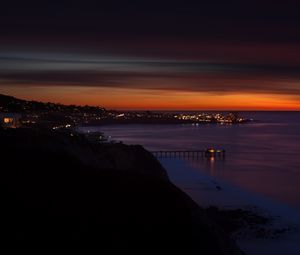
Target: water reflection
(212, 166)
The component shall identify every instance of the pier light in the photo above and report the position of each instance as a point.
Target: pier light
(211, 150)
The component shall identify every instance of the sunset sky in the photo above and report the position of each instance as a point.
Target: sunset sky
(241, 55)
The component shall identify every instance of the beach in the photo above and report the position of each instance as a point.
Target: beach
(208, 191)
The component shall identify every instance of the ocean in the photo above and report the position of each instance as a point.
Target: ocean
(262, 157)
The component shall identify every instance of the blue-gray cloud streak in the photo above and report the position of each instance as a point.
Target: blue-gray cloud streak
(32, 69)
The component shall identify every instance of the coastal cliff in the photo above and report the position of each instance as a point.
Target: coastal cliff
(101, 156)
(122, 199)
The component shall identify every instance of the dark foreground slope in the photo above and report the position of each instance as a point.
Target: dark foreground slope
(50, 195)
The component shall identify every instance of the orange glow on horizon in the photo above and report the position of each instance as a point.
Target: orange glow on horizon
(139, 99)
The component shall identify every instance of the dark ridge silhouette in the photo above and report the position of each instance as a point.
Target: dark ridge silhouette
(51, 195)
(12, 104)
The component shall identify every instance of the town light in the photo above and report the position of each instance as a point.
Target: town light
(8, 120)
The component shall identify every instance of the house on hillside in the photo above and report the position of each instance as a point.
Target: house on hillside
(10, 120)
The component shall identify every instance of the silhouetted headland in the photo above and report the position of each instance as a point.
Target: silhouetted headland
(65, 188)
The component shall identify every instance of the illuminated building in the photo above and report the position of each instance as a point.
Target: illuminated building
(10, 120)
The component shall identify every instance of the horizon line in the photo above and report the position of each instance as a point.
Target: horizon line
(159, 109)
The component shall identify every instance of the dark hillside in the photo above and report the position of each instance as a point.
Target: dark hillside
(51, 196)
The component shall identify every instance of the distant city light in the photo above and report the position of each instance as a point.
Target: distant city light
(8, 120)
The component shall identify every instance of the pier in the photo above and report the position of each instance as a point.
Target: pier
(209, 153)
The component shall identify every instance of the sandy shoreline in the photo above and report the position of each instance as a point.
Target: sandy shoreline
(207, 191)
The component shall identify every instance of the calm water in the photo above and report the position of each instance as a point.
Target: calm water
(262, 157)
